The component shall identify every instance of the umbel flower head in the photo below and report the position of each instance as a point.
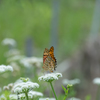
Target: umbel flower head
(13, 97)
(4, 68)
(73, 82)
(30, 61)
(96, 81)
(31, 94)
(2, 97)
(9, 41)
(23, 87)
(47, 99)
(50, 77)
(73, 98)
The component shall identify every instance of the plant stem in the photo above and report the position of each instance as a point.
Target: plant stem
(26, 95)
(17, 96)
(53, 90)
(65, 97)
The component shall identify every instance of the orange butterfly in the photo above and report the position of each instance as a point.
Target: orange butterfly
(49, 61)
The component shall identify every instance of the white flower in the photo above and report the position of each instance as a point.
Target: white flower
(18, 90)
(24, 87)
(21, 96)
(30, 61)
(96, 81)
(15, 58)
(9, 41)
(73, 82)
(10, 85)
(5, 88)
(73, 98)
(4, 68)
(2, 97)
(12, 52)
(32, 94)
(47, 99)
(15, 66)
(50, 77)
(13, 97)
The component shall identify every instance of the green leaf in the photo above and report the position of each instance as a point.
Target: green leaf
(64, 88)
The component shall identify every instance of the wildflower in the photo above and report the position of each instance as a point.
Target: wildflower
(13, 97)
(50, 77)
(9, 41)
(96, 81)
(10, 85)
(24, 87)
(5, 88)
(73, 98)
(15, 58)
(12, 52)
(30, 61)
(32, 94)
(4, 68)
(20, 81)
(21, 96)
(2, 97)
(47, 99)
(15, 66)
(73, 82)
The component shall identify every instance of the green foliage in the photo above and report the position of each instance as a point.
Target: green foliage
(24, 79)
(66, 90)
(88, 97)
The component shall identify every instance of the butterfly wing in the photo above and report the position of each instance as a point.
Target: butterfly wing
(51, 51)
(49, 61)
(45, 54)
(49, 64)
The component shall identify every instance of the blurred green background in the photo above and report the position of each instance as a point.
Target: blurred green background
(20, 19)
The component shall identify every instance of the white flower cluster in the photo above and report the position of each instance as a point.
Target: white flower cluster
(2, 97)
(15, 58)
(13, 97)
(73, 98)
(50, 77)
(12, 52)
(24, 87)
(8, 87)
(30, 61)
(47, 99)
(4, 68)
(9, 41)
(73, 82)
(32, 94)
(96, 81)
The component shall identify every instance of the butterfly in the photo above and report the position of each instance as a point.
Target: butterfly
(49, 61)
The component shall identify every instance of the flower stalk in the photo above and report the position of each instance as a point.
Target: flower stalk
(26, 95)
(53, 90)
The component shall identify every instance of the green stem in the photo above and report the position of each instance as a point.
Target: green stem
(17, 96)
(65, 97)
(26, 95)
(53, 90)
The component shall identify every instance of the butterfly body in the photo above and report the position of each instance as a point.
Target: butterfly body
(49, 61)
